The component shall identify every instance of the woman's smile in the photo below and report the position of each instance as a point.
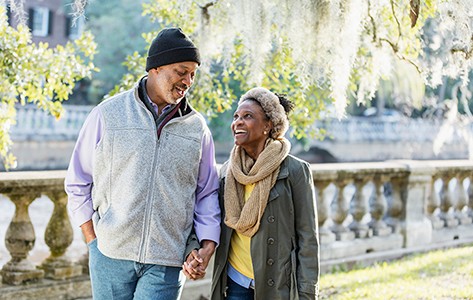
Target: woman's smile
(239, 132)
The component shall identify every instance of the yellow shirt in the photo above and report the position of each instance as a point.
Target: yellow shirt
(240, 250)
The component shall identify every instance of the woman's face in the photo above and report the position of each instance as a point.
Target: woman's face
(249, 126)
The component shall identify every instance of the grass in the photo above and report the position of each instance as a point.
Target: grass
(442, 274)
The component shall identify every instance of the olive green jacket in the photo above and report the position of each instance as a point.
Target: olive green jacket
(285, 249)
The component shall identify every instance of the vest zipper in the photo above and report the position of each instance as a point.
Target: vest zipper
(149, 201)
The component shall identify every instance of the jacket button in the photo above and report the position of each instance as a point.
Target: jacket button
(270, 241)
(270, 261)
(270, 282)
(271, 219)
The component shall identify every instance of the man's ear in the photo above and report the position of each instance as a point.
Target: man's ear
(155, 70)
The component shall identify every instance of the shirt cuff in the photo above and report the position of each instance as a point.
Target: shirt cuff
(211, 233)
(83, 213)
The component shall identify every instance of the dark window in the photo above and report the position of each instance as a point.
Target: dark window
(74, 28)
(40, 21)
(9, 14)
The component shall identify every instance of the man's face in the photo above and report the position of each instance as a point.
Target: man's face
(168, 84)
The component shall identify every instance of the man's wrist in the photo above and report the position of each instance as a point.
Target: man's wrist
(88, 231)
(208, 245)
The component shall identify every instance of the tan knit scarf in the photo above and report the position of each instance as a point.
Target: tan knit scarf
(243, 170)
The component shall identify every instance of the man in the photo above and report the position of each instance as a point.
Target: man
(143, 176)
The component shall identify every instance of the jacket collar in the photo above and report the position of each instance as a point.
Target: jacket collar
(283, 170)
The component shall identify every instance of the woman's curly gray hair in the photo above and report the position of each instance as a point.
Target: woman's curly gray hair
(271, 107)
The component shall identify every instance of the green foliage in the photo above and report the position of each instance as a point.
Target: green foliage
(309, 102)
(386, 39)
(210, 93)
(36, 74)
(224, 79)
(312, 51)
(173, 13)
(443, 274)
(116, 26)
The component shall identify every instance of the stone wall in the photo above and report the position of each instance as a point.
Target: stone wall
(366, 212)
(43, 143)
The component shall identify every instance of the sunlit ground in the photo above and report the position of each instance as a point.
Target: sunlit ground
(443, 274)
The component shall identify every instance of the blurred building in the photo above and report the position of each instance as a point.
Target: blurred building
(50, 21)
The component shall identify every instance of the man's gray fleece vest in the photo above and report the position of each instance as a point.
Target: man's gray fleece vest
(144, 187)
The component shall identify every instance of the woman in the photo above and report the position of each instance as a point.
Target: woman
(269, 245)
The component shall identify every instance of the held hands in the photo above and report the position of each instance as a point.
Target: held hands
(197, 261)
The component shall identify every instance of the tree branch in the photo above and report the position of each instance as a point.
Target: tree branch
(464, 50)
(373, 24)
(207, 5)
(411, 62)
(393, 46)
(205, 10)
(397, 22)
(401, 57)
(414, 11)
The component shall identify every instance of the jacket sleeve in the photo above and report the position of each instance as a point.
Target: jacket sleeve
(191, 244)
(306, 227)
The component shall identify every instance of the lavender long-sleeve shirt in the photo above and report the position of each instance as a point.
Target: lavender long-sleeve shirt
(78, 183)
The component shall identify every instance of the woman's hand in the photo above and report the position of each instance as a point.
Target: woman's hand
(197, 261)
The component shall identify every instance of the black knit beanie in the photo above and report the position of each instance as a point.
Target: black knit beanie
(170, 46)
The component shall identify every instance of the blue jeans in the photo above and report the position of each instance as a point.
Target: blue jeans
(125, 279)
(237, 292)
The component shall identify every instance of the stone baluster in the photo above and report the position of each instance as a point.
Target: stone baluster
(73, 119)
(50, 124)
(446, 203)
(461, 197)
(37, 121)
(30, 124)
(396, 207)
(470, 198)
(340, 213)
(323, 212)
(416, 227)
(378, 207)
(58, 237)
(358, 209)
(19, 240)
(20, 117)
(433, 203)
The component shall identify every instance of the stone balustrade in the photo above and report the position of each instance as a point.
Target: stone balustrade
(389, 206)
(22, 188)
(33, 123)
(365, 210)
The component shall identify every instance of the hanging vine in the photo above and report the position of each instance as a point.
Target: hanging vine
(330, 51)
